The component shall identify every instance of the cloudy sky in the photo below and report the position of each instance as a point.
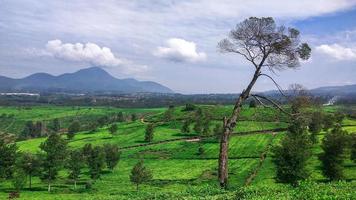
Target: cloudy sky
(172, 42)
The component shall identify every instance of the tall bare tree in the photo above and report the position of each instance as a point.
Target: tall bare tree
(267, 47)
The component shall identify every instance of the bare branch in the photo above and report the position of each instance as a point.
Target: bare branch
(276, 84)
(273, 103)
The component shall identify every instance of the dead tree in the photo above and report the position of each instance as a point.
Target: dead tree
(266, 46)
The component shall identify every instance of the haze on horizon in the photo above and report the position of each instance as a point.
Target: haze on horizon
(172, 42)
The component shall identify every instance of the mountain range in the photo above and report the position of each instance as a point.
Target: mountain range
(89, 80)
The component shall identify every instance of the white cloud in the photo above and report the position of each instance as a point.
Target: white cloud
(180, 50)
(337, 51)
(88, 52)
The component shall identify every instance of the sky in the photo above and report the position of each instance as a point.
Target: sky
(172, 42)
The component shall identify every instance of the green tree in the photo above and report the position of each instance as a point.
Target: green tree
(292, 155)
(333, 146)
(253, 104)
(206, 127)
(315, 126)
(30, 164)
(120, 117)
(168, 114)
(28, 130)
(112, 155)
(56, 125)
(19, 179)
(353, 147)
(140, 174)
(73, 128)
(96, 162)
(75, 164)
(218, 129)
(54, 149)
(113, 129)
(328, 121)
(186, 126)
(149, 133)
(339, 117)
(8, 154)
(198, 126)
(133, 117)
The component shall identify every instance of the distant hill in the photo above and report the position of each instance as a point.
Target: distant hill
(89, 80)
(335, 90)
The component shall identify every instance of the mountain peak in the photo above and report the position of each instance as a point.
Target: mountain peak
(92, 79)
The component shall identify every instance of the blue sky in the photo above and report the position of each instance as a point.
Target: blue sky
(172, 42)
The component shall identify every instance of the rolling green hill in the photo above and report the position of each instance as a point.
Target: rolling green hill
(179, 171)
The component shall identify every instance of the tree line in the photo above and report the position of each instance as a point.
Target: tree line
(56, 156)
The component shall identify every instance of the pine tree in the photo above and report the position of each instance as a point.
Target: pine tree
(113, 129)
(96, 162)
(74, 165)
(54, 149)
(19, 180)
(149, 133)
(315, 126)
(72, 129)
(292, 155)
(30, 164)
(140, 174)
(333, 146)
(56, 125)
(186, 126)
(8, 154)
(112, 155)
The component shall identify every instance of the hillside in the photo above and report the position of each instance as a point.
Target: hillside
(180, 170)
(87, 80)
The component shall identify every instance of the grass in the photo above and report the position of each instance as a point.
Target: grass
(179, 172)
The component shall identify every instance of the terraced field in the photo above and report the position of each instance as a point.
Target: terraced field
(179, 171)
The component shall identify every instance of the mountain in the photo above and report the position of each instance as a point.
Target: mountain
(89, 80)
(335, 90)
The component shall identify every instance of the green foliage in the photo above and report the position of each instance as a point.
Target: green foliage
(75, 164)
(253, 104)
(149, 133)
(186, 126)
(332, 157)
(120, 117)
(189, 107)
(56, 125)
(96, 162)
(140, 174)
(133, 117)
(54, 149)
(292, 155)
(328, 121)
(19, 179)
(201, 151)
(8, 154)
(315, 126)
(113, 129)
(353, 147)
(168, 115)
(72, 129)
(30, 164)
(112, 155)
(218, 130)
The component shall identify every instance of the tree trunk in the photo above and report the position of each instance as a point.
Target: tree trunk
(49, 186)
(75, 184)
(229, 125)
(30, 181)
(137, 187)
